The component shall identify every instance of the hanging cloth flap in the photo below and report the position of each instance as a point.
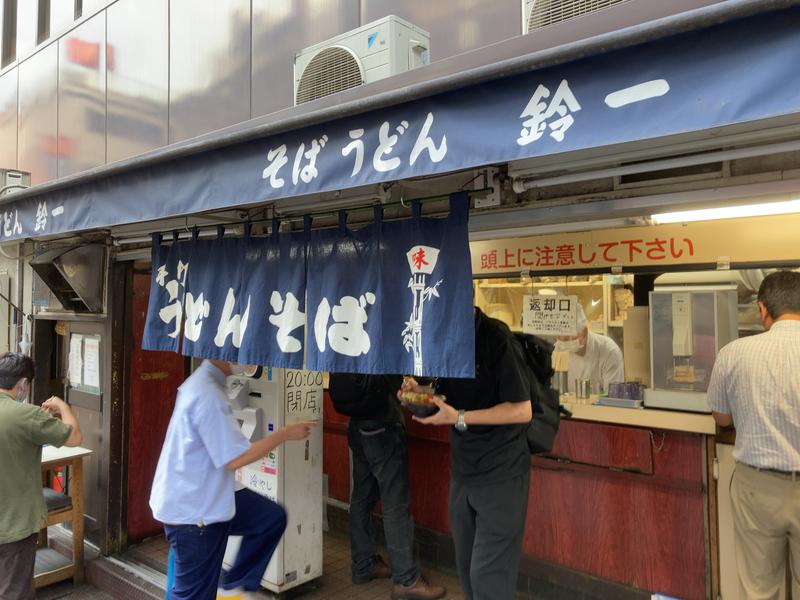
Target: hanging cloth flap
(393, 298)
(162, 330)
(344, 303)
(431, 330)
(217, 310)
(275, 278)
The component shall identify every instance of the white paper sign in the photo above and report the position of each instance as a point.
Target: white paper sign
(91, 362)
(303, 395)
(550, 315)
(76, 360)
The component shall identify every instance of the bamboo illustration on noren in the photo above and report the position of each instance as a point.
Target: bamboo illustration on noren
(421, 261)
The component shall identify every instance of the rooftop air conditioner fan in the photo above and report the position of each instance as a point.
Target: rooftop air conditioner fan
(332, 70)
(541, 13)
(372, 52)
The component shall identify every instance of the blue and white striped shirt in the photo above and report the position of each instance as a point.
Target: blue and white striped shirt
(757, 380)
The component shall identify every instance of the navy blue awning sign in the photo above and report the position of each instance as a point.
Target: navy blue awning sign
(733, 73)
(392, 297)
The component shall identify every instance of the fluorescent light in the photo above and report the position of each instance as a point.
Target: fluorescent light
(729, 212)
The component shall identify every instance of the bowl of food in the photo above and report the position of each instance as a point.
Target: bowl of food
(420, 403)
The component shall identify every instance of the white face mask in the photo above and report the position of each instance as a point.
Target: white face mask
(22, 390)
(236, 368)
(569, 345)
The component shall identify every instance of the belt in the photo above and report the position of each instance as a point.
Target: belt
(794, 475)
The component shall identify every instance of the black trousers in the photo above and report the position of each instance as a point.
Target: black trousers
(488, 523)
(16, 568)
(380, 472)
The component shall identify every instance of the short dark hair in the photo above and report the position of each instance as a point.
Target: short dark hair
(13, 367)
(780, 293)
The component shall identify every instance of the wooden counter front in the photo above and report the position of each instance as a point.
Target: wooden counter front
(624, 504)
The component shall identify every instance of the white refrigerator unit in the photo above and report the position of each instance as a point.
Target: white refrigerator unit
(264, 400)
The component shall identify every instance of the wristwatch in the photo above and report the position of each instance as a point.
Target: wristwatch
(461, 424)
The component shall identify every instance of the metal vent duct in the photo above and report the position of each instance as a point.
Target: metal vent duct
(75, 275)
(548, 12)
(333, 70)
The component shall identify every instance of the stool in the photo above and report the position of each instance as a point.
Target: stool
(51, 566)
(59, 509)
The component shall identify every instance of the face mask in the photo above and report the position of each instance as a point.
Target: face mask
(236, 368)
(569, 345)
(22, 392)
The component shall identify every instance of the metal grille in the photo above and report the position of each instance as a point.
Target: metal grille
(332, 70)
(548, 12)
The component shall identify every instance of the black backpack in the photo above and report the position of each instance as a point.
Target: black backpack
(542, 431)
(363, 396)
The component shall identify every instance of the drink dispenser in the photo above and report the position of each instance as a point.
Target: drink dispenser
(264, 400)
(688, 327)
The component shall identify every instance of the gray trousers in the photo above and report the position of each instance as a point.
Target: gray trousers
(17, 560)
(488, 523)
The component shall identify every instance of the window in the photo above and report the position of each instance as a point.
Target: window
(8, 32)
(43, 21)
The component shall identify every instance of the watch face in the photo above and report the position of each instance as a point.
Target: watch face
(461, 424)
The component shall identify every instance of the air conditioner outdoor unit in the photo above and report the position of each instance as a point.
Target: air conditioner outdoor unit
(12, 180)
(541, 13)
(379, 49)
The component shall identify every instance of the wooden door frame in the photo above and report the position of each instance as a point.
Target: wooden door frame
(119, 324)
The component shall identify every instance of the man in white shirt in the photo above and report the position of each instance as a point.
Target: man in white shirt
(193, 490)
(592, 356)
(755, 385)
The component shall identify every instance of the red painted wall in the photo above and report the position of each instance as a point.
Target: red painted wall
(154, 377)
(335, 452)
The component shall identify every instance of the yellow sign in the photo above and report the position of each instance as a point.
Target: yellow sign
(751, 240)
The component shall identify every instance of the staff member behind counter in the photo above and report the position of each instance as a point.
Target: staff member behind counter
(591, 356)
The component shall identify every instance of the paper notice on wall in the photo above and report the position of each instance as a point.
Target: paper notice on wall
(75, 360)
(91, 362)
(550, 315)
(303, 395)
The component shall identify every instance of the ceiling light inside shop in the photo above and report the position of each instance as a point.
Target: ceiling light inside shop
(729, 212)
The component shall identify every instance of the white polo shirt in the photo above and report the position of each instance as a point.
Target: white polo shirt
(192, 484)
(757, 380)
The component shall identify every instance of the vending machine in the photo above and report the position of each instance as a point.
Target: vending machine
(264, 400)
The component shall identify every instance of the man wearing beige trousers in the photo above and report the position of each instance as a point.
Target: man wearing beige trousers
(755, 385)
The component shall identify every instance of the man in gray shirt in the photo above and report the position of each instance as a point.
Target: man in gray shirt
(755, 385)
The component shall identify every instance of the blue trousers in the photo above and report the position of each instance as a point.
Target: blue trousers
(198, 551)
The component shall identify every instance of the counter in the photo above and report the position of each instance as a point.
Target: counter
(645, 417)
